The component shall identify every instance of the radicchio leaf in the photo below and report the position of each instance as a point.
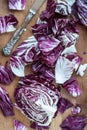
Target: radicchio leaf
(36, 100)
(82, 11)
(74, 123)
(63, 8)
(72, 87)
(76, 110)
(5, 103)
(8, 23)
(64, 104)
(23, 55)
(18, 125)
(63, 70)
(17, 4)
(6, 74)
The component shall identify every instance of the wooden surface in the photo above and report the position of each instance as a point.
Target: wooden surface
(6, 123)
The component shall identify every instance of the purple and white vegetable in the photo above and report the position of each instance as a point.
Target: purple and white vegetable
(76, 110)
(5, 103)
(6, 74)
(37, 99)
(8, 23)
(81, 69)
(63, 70)
(64, 104)
(17, 4)
(72, 87)
(18, 125)
(23, 55)
(74, 123)
(82, 11)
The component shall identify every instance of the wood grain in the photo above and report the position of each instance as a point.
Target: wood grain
(6, 123)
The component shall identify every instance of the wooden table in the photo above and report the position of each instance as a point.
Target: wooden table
(6, 123)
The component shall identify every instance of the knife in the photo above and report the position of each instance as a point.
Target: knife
(33, 10)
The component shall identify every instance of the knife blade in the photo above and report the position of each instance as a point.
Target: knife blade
(32, 11)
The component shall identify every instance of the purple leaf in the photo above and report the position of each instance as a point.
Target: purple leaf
(5, 103)
(8, 23)
(64, 104)
(6, 74)
(72, 87)
(17, 4)
(74, 123)
(19, 126)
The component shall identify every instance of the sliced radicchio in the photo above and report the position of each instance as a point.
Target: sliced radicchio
(8, 23)
(18, 125)
(76, 110)
(72, 87)
(17, 4)
(37, 99)
(43, 71)
(6, 74)
(23, 55)
(74, 123)
(82, 11)
(63, 70)
(81, 69)
(64, 104)
(5, 103)
(63, 8)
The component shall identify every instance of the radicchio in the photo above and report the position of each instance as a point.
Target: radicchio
(18, 125)
(6, 74)
(8, 23)
(37, 99)
(72, 87)
(64, 104)
(82, 11)
(17, 4)
(23, 55)
(74, 123)
(5, 103)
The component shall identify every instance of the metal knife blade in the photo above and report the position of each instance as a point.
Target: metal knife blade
(32, 11)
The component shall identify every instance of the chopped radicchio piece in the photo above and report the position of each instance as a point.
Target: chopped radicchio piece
(74, 123)
(17, 4)
(5, 103)
(37, 99)
(63, 70)
(81, 70)
(18, 125)
(43, 71)
(82, 11)
(76, 110)
(63, 8)
(23, 55)
(64, 104)
(8, 23)
(6, 74)
(72, 87)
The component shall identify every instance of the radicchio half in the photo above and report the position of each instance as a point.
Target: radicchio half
(8, 23)
(17, 4)
(37, 99)
(5, 103)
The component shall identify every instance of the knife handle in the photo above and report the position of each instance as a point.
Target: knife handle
(9, 47)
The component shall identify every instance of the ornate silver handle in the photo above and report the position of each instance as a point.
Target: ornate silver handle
(8, 48)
